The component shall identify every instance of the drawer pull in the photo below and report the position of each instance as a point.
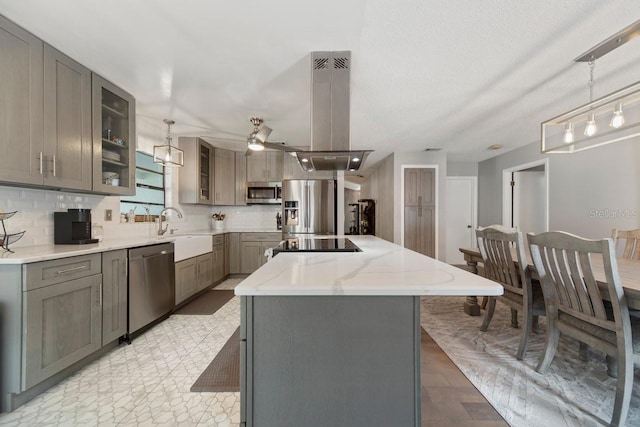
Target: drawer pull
(69, 270)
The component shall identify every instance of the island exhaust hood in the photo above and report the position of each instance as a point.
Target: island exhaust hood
(330, 108)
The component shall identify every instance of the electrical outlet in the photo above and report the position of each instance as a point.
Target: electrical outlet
(107, 215)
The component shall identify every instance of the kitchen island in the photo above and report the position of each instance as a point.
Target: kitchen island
(333, 338)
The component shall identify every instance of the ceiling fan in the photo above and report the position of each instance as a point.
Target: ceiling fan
(257, 139)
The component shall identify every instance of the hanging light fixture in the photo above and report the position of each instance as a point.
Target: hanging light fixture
(167, 154)
(257, 138)
(557, 134)
(617, 120)
(568, 133)
(591, 128)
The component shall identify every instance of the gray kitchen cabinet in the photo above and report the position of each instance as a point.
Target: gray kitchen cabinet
(114, 138)
(241, 179)
(45, 139)
(253, 247)
(227, 254)
(193, 275)
(114, 295)
(251, 254)
(196, 178)
(265, 166)
(62, 315)
(67, 122)
(234, 253)
(224, 177)
(218, 257)
(205, 270)
(186, 279)
(21, 91)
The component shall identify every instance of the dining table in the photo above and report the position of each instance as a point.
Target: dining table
(628, 269)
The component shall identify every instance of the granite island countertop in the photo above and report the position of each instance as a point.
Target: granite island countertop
(382, 268)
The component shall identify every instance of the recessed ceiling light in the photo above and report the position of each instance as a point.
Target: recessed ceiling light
(494, 147)
(304, 160)
(355, 159)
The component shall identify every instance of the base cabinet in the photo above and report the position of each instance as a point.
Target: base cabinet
(193, 275)
(204, 269)
(186, 279)
(349, 361)
(234, 253)
(63, 324)
(253, 247)
(218, 257)
(114, 295)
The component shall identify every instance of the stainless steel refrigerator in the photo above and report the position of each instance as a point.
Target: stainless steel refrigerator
(308, 207)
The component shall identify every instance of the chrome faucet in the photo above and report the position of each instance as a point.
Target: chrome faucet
(161, 230)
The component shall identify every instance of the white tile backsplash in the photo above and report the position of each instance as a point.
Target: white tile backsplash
(36, 207)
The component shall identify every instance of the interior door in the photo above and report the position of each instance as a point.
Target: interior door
(419, 210)
(461, 216)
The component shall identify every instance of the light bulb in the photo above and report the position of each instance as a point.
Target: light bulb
(617, 119)
(591, 128)
(255, 145)
(568, 133)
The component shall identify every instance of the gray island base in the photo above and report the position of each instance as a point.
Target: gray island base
(330, 361)
(333, 338)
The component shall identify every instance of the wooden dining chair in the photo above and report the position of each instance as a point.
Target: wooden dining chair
(577, 307)
(631, 245)
(500, 266)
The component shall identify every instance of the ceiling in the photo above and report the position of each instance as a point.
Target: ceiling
(459, 75)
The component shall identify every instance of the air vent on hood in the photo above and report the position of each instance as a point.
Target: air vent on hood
(330, 109)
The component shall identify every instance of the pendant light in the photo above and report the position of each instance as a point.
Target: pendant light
(591, 128)
(617, 120)
(167, 154)
(568, 133)
(558, 135)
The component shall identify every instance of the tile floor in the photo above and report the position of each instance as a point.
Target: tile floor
(147, 383)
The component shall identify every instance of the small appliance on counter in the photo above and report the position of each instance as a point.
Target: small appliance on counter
(72, 227)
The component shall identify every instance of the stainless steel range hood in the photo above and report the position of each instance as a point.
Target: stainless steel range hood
(330, 108)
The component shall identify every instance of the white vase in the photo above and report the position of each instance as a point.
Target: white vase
(218, 225)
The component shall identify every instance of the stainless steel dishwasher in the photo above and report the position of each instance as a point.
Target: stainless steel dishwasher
(151, 284)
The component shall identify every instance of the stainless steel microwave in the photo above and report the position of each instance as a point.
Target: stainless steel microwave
(263, 193)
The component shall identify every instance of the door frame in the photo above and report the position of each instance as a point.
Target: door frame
(474, 214)
(437, 207)
(506, 189)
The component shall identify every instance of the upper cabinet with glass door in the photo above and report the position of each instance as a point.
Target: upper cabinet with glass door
(114, 163)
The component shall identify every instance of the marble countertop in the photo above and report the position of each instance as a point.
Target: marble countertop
(382, 268)
(28, 254)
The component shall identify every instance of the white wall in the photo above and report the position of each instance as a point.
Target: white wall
(590, 192)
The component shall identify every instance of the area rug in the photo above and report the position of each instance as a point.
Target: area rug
(570, 393)
(208, 303)
(223, 373)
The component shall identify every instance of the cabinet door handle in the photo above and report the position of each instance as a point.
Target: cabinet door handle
(53, 160)
(99, 296)
(41, 165)
(69, 270)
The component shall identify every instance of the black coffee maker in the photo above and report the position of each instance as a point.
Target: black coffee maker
(72, 227)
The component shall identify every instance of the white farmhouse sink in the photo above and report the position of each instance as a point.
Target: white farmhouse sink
(190, 246)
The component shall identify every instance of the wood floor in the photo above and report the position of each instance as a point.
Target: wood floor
(448, 398)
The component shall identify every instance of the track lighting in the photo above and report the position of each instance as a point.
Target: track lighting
(617, 119)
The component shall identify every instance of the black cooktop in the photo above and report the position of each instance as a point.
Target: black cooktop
(306, 244)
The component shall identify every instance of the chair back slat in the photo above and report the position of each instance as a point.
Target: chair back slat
(564, 265)
(496, 249)
(631, 246)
